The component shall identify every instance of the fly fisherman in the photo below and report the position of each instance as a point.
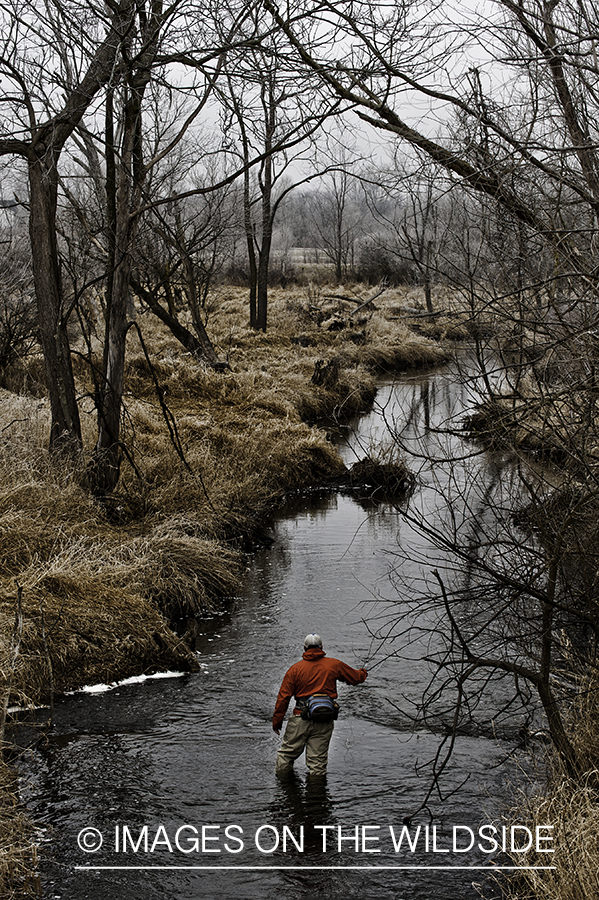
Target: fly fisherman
(313, 683)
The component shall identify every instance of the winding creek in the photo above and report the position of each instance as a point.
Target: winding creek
(198, 750)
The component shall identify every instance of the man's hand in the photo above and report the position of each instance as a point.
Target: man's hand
(276, 730)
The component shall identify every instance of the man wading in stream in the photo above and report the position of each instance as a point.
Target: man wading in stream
(313, 683)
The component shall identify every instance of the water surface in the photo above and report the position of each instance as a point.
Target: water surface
(194, 756)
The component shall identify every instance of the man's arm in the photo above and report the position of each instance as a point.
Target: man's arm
(349, 675)
(286, 692)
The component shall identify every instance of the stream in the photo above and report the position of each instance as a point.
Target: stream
(174, 777)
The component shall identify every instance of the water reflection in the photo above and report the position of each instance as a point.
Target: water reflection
(464, 576)
(303, 804)
(200, 750)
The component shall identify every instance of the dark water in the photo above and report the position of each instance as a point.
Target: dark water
(159, 766)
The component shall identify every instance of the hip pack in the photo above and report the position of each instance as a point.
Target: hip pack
(320, 708)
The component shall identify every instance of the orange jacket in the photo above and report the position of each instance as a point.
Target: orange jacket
(315, 673)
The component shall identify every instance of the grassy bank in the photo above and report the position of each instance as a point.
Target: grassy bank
(18, 856)
(96, 591)
(544, 415)
(102, 583)
(571, 806)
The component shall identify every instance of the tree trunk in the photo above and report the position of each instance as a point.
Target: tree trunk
(200, 346)
(110, 215)
(267, 217)
(428, 297)
(338, 239)
(65, 432)
(105, 468)
(107, 454)
(250, 241)
(262, 293)
(427, 279)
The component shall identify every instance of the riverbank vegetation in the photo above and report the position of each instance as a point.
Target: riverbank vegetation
(208, 454)
(152, 412)
(544, 416)
(18, 860)
(96, 589)
(570, 805)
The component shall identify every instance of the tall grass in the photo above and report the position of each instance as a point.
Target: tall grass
(573, 811)
(18, 854)
(102, 582)
(110, 589)
(571, 806)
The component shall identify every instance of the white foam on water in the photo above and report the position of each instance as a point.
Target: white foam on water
(134, 679)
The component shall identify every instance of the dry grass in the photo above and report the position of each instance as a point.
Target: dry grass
(109, 589)
(105, 579)
(18, 855)
(571, 806)
(572, 809)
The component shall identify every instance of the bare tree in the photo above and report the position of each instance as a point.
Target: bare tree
(131, 171)
(102, 70)
(413, 216)
(184, 248)
(541, 130)
(38, 120)
(274, 121)
(517, 138)
(335, 214)
(18, 315)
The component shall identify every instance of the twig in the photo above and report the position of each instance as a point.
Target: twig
(50, 668)
(370, 299)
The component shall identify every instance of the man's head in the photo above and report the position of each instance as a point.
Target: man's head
(313, 640)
